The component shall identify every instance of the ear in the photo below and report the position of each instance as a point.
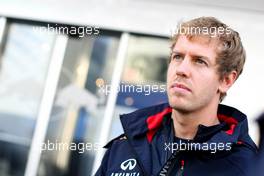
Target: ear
(227, 81)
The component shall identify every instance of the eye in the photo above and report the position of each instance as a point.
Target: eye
(176, 57)
(200, 61)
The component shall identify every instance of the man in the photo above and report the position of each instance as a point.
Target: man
(193, 135)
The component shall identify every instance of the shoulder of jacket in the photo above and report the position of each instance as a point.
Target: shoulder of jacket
(118, 138)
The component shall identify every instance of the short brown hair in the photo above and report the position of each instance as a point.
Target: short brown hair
(231, 55)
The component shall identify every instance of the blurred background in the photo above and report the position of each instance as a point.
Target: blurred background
(51, 82)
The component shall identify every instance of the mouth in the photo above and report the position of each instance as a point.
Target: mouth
(180, 86)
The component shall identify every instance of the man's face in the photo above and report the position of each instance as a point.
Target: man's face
(192, 79)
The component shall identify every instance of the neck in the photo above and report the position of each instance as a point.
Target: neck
(186, 123)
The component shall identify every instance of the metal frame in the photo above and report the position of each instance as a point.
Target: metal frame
(3, 25)
(46, 105)
(111, 102)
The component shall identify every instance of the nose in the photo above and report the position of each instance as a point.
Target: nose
(183, 68)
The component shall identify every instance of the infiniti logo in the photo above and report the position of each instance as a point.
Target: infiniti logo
(128, 164)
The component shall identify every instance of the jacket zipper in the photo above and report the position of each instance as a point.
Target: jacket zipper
(180, 171)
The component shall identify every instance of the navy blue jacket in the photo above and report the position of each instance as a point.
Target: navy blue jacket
(148, 142)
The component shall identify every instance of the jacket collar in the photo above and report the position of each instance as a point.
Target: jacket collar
(141, 126)
(144, 123)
